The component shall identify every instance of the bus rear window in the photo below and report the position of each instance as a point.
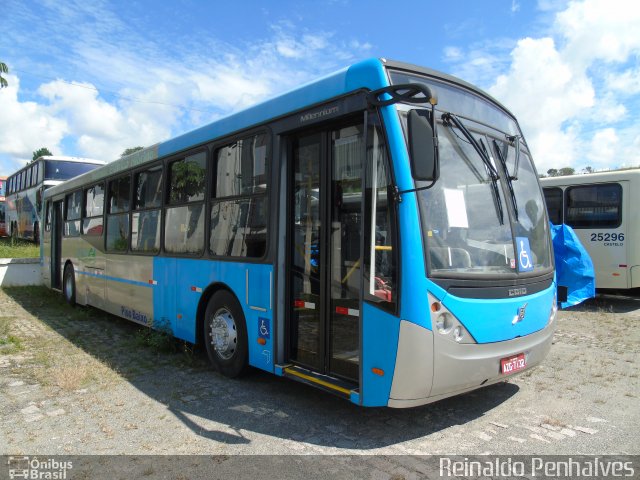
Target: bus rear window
(594, 206)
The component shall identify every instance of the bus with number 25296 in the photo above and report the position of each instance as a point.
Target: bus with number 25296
(599, 207)
(379, 233)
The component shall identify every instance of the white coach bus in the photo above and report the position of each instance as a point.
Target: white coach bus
(604, 210)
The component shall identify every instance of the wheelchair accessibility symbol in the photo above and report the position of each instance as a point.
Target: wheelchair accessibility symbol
(263, 328)
(524, 254)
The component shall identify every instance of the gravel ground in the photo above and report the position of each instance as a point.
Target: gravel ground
(78, 381)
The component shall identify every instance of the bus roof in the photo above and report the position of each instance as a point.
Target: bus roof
(368, 74)
(588, 178)
(72, 159)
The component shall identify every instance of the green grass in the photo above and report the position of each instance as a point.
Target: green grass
(18, 249)
(8, 343)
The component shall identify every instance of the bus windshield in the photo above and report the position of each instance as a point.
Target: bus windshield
(474, 223)
(64, 170)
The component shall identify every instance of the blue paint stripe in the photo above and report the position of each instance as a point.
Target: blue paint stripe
(116, 279)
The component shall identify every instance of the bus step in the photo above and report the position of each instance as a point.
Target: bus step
(329, 384)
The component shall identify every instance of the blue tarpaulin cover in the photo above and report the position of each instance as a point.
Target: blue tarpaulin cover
(574, 268)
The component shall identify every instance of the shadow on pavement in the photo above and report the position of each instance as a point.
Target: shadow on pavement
(611, 301)
(221, 409)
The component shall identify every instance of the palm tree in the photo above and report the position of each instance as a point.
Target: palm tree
(3, 69)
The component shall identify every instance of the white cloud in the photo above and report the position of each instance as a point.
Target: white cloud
(579, 77)
(139, 90)
(565, 86)
(545, 94)
(599, 30)
(603, 148)
(626, 82)
(27, 126)
(452, 53)
(97, 128)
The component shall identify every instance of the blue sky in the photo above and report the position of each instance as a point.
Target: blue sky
(94, 78)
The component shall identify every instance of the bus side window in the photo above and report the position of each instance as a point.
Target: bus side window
(72, 204)
(184, 216)
(118, 214)
(147, 203)
(553, 199)
(594, 206)
(239, 209)
(93, 207)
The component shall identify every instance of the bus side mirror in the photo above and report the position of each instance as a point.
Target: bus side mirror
(422, 147)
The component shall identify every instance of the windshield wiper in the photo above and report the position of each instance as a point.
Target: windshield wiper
(450, 119)
(503, 161)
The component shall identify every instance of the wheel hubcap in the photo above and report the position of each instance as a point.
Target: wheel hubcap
(224, 337)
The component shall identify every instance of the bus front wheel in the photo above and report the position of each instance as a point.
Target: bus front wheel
(69, 285)
(225, 334)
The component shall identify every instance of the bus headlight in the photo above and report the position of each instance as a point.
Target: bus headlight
(444, 323)
(447, 325)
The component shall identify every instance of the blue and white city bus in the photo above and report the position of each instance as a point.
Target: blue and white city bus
(379, 233)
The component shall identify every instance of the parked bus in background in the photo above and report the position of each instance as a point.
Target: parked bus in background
(350, 234)
(3, 193)
(603, 210)
(26, 187)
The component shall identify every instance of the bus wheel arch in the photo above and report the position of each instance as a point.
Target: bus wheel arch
(223, 330)
(69, 283)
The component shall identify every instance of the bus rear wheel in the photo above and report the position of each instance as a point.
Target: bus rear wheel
(69, 285)
(225, 334)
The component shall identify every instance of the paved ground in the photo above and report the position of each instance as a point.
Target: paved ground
(77, 381)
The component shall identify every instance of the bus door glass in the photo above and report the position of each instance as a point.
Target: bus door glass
(56, 245)
(325, 249)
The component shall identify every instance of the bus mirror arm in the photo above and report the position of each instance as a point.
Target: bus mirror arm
(415, 93)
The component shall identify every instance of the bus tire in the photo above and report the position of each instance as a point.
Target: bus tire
(225, 334)
(69, 285)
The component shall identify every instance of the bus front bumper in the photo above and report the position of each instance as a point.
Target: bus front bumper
(454, 368)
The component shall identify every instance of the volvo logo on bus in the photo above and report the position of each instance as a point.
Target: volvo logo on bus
(516, 292)
(522, 311)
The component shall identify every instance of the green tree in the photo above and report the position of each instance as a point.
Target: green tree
(3, 69)
(40, 153)
(552, 172)
(187, 180)
(587, 169)
(129, 151)
(566, 171)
